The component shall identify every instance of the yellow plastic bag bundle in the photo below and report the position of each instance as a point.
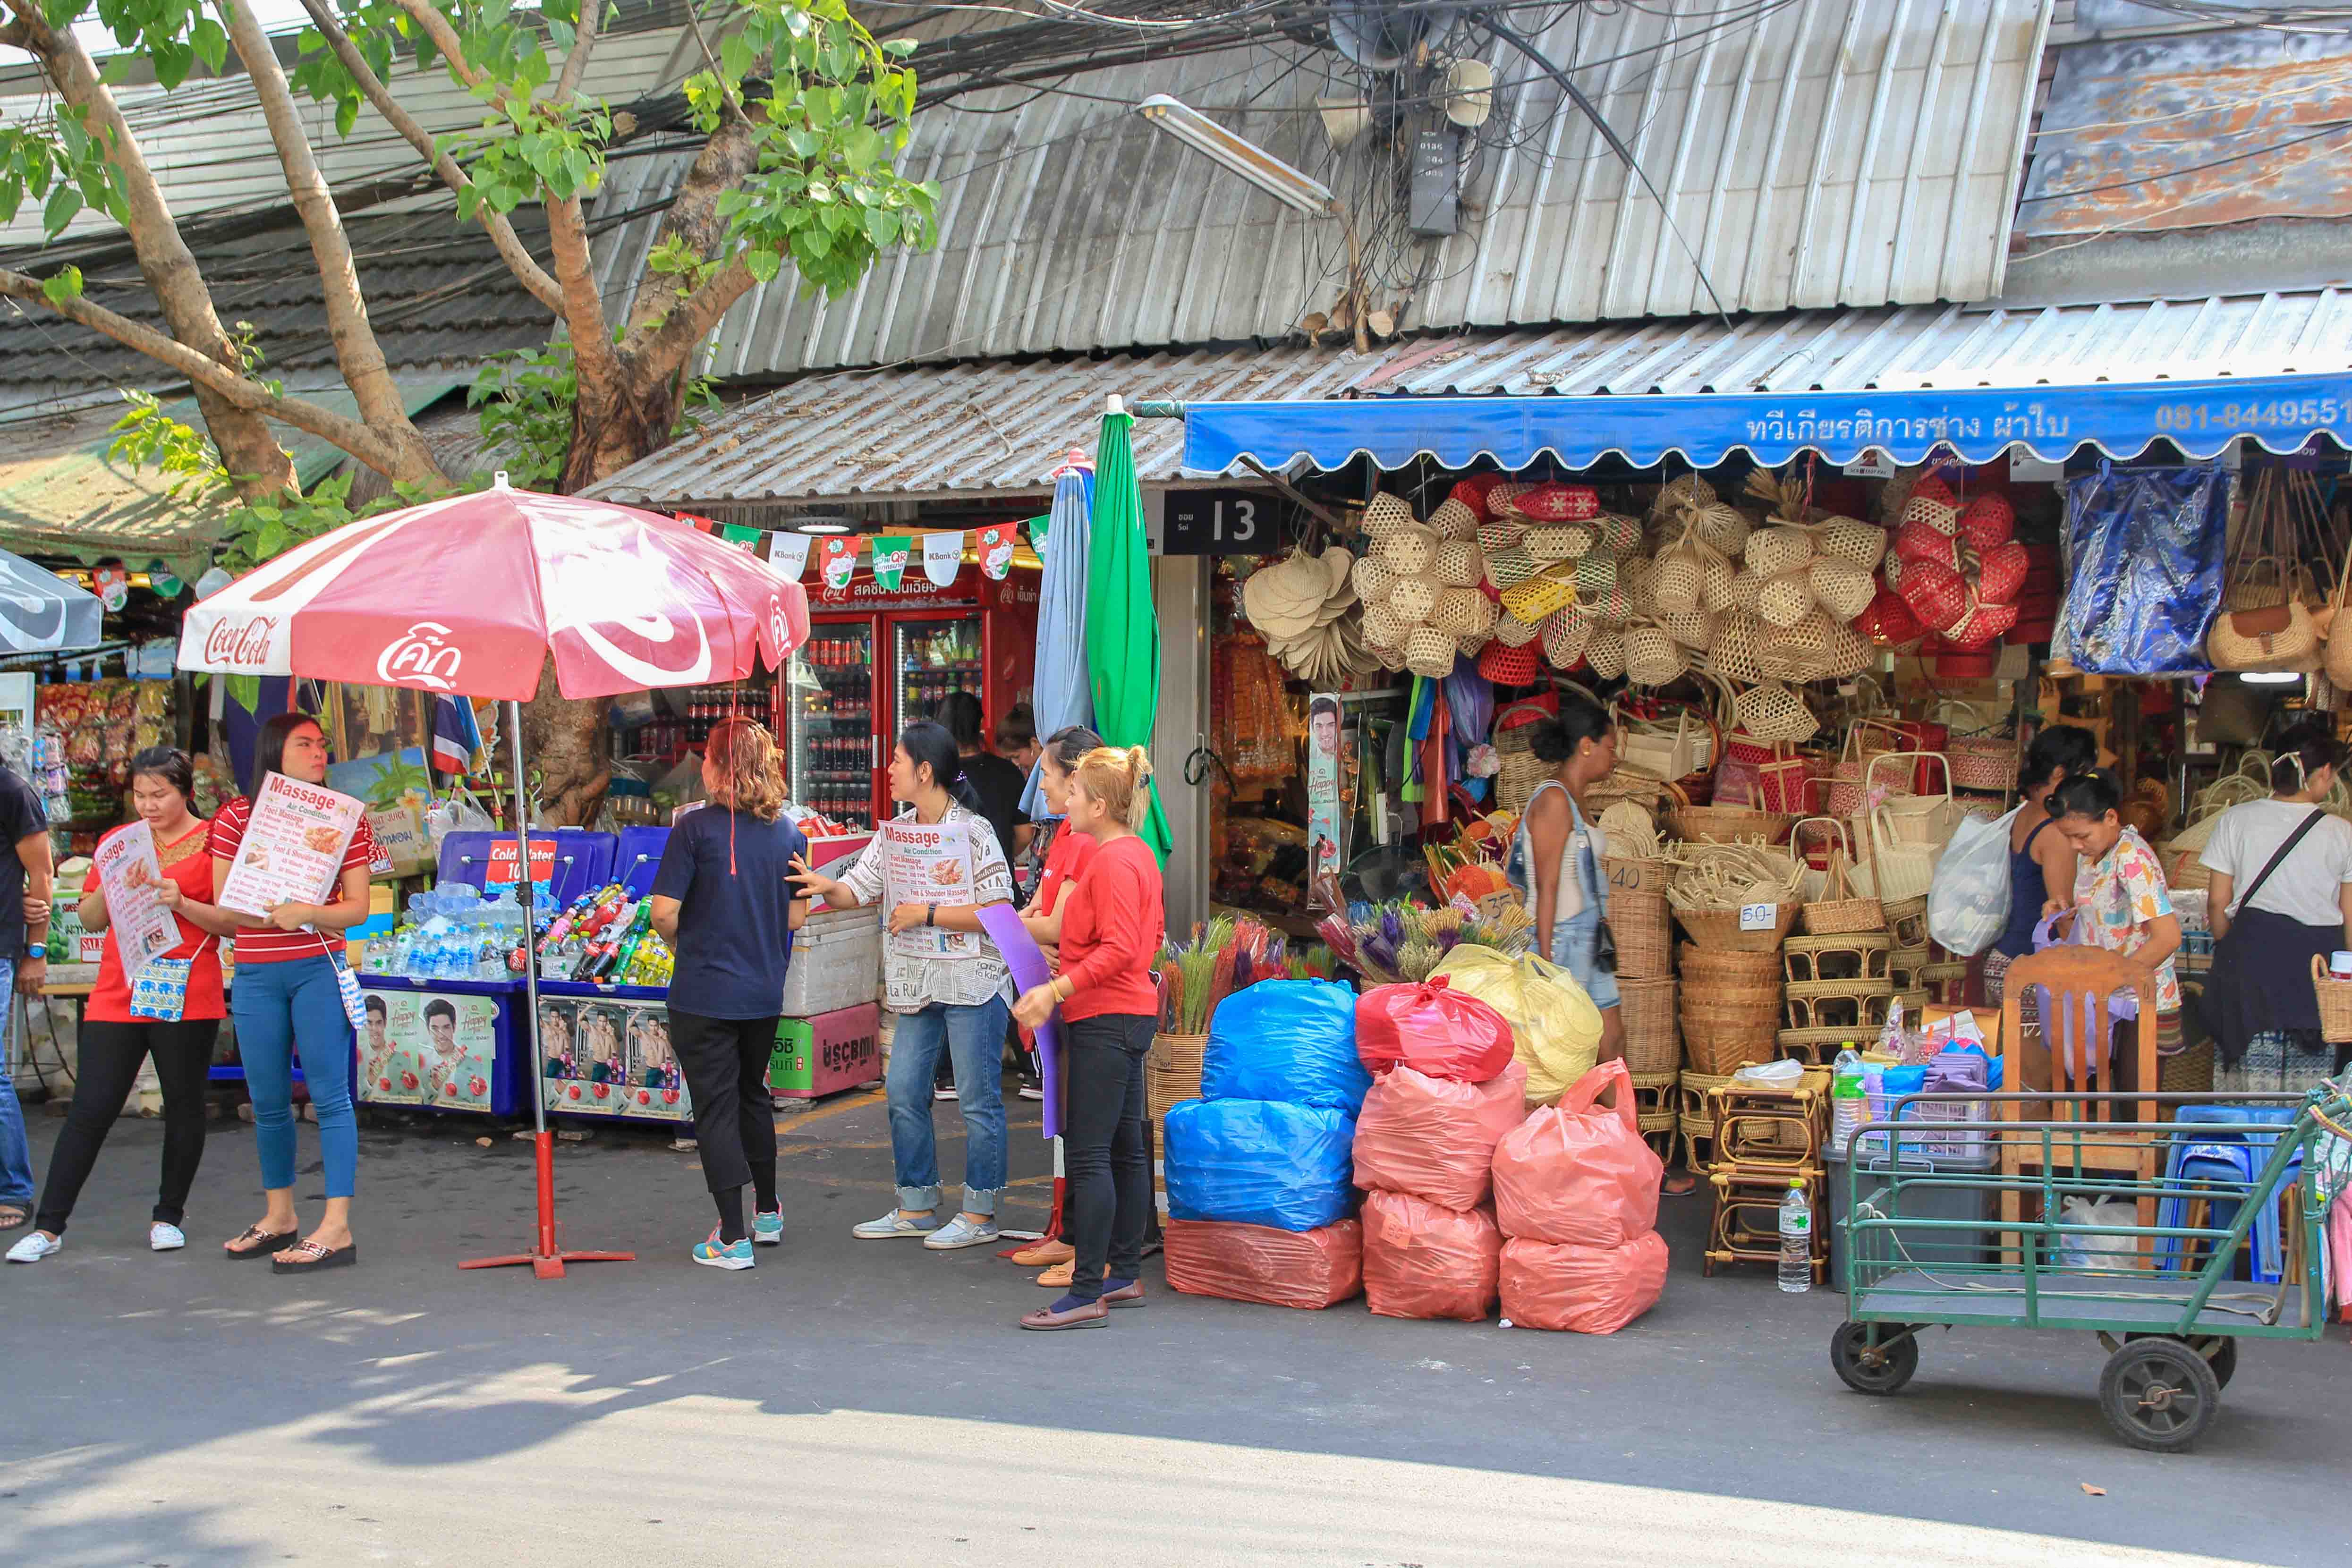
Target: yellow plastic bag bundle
(1555, 1028)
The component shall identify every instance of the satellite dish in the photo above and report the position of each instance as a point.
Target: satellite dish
(1469, 92)
(1378, 35)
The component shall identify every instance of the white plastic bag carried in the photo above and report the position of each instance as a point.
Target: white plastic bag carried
(1967, 901)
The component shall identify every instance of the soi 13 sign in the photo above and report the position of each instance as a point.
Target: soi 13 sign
(1222, 522)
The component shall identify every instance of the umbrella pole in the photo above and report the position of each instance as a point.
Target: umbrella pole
(546, 1262)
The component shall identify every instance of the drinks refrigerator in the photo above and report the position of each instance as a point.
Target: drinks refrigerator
(864, 674)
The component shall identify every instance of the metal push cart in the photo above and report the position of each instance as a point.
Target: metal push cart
(2028, 1238)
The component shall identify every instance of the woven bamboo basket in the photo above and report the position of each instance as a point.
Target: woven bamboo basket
(1736, 969)
(1645, 949)
(1907, 922)
(2334, 1003)
(1182, 1055)
(1726, 1048)
(1841, 908)
(1728, 824)
(1652, 1044)
(2190, 1072)
(1720, 929)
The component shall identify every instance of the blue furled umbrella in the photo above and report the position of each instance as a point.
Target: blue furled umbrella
(41, 613)
(1064, 695)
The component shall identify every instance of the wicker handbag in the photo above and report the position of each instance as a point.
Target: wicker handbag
(1923, 820)
(2279, 638)
(2337, 662)
(1774, 711)
(1840, 909)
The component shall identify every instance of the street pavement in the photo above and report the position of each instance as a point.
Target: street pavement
(854, 1402)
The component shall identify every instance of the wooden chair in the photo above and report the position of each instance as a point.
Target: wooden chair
(2069, 1054)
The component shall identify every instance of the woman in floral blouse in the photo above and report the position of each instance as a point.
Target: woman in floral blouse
(2121, 902)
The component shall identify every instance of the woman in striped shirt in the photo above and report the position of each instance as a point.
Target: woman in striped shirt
(286, 1000)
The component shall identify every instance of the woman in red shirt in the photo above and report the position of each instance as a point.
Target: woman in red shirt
(1112, 924)
(114, 1042)
(288, 1001)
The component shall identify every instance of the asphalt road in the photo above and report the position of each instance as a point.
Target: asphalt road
(871, 1403)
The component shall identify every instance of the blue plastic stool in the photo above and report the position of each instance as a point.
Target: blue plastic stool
(2235, 1157)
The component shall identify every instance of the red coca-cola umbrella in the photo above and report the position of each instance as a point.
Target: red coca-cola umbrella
(473, 595)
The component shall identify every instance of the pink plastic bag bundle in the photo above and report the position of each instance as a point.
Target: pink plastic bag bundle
(1577, 1174)
(1432, 1029)
(1307, 1268)
(1435, 1137)
(1424, 1261)
(1586, 1290)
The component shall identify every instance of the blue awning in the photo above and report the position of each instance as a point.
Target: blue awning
(2119, 418)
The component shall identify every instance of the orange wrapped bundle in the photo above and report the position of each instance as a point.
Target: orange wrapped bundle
(1308, 1269)
(1424, 1261)
(1435, 1137)
(1585, 1290)
(1577, 1174)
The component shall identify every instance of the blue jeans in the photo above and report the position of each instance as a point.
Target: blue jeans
(291, 1007)
(974, 1038)
(16, 1154)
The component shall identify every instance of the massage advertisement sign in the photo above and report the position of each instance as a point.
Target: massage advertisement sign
(929, 864)
(292, 851)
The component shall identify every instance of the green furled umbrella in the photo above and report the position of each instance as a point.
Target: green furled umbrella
(1122, 628)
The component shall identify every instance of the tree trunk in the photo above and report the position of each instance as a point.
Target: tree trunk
(564, 742)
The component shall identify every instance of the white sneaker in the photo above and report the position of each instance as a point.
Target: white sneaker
(162, 1238)
(35, 1247)
(961, 1232)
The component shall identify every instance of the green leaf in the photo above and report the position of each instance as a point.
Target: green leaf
(861, 149)
(66, 284)
(762, 264)
(736, 56)
(881, 226)
(347, 114)
(210, 43)
(63, 203)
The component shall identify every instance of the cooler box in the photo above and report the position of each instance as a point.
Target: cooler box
(583, 860)
(823, 1055)
(637, 856)
(836, 963)
(1907, 1246)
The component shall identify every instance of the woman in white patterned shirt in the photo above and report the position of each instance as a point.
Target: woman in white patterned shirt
(943, 979)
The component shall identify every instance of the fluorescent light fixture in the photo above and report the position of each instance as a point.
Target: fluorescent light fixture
(2271, 677)
(821, 527)
(1247, 159)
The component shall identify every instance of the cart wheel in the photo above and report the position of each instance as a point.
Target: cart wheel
(2224, 1361)
(1865, 1370)
(2159, 1394)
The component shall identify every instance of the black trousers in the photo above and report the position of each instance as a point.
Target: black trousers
(1104, 1161)
(726, 1066)
(111, 1055)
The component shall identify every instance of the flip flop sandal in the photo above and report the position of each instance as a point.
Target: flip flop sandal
(13, 1218)
(308, 1256)
(262, 1243)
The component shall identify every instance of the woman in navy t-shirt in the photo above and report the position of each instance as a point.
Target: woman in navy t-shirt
(723, 904)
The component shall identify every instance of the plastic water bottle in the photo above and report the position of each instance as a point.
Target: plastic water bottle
(1796, 1240)
(1848, 1106)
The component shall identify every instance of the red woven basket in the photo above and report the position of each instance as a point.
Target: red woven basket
(1509, 666)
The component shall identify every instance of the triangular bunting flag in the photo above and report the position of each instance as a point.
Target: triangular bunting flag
(890, 562)
(942, 557)
(1037, 528)
(742, 538)
(789, 553)
(997, 551)
(840, 559)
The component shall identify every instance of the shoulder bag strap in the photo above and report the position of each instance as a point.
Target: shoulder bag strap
(2285, 849)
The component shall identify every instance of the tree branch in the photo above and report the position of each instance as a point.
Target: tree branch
(658, 350)
(357, 352)
(584, 44)
(247, 445)
(510, 247)
(444, 38)
(583, 307)
(240, 391)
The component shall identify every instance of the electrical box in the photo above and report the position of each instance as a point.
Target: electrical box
(1435, 205)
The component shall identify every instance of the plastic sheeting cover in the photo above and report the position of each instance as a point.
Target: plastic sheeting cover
(1260, 1162)
(2143, 552)
(1293, 1040)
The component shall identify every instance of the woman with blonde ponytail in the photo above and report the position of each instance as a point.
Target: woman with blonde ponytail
(1112, 925)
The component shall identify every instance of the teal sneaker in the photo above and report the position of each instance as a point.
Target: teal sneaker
(713, 1253)
(768, 1229)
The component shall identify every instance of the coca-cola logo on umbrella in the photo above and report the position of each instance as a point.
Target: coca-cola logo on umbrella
(619, 591)
(420, 657)
(241, 645)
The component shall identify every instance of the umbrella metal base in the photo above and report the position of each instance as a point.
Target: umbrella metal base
(547, 1262)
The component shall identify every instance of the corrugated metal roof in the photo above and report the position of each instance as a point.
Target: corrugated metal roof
(2252, 120)
(1833, 151)
(437, 293)
(997, 428)
(210, 147)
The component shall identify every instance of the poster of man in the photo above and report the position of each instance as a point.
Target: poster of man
(584, 1056)
(1327, 823)
(656, 1088)
(429, 1048)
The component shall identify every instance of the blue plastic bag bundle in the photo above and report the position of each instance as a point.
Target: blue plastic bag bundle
(2143, 565)
(1292, 1040)
(1260, 1162)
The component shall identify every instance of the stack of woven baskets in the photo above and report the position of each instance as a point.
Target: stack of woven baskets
(1645, 971)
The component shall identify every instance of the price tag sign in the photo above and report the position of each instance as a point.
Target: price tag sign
(1758, 917)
